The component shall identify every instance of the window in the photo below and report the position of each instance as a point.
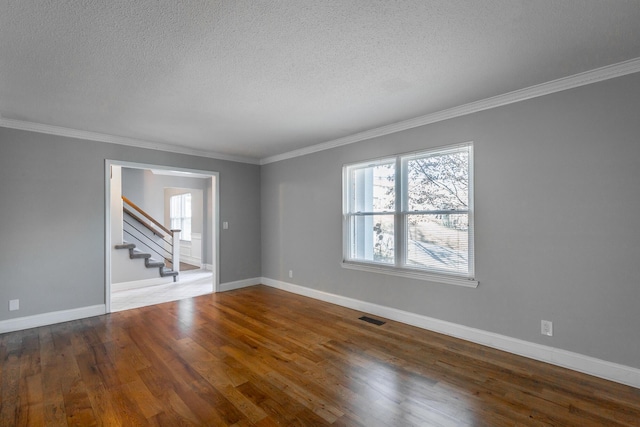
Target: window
(180, 215)
(412, 215)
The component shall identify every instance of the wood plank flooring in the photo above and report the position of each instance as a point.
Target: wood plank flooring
(263, 357)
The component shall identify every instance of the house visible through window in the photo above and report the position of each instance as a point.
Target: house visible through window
(180, 215)
(411, 214)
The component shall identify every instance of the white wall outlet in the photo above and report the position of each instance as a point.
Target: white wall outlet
(225, 225)
(546, 328)
(290, 274)
(14, 304)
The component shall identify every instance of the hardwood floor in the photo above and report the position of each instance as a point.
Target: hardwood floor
(183, 265)
(263, 357)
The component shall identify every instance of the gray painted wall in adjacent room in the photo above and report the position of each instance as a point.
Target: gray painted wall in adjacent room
(52, 215)
(557, 180)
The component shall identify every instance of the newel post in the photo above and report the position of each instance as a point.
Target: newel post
(175, 252)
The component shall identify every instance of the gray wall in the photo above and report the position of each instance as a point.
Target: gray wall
(53, 218)
(557, 183)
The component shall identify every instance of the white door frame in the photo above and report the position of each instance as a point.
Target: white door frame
(214, 197)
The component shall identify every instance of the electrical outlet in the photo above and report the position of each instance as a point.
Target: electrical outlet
(290, 274)
(14, 304)
(546, 328)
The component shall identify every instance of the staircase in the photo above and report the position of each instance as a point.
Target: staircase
(148, 261)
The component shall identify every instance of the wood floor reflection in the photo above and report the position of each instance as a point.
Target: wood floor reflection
(263, 357)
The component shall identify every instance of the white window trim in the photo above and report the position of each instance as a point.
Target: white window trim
(410, 274)
(404, 271)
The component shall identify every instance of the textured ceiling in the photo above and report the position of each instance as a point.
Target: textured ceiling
(261, 78)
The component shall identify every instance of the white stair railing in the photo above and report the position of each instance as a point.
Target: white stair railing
(175, 250)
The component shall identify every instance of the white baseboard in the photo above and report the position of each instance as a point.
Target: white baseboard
(566, 359)
(135, 284)
(208, 267)
(45, 319)
(229, 286)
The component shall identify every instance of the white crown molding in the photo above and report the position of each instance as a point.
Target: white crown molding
(588, 77)
(578, 362)
(120, 140)
(565, 83)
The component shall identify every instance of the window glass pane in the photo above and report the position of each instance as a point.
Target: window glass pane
(186, 230)
(180, 214)
(373, 188)
(187, 205)
(438, 182)
(438, 242)
(372, 238)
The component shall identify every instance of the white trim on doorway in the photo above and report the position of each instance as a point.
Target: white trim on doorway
(215, 200)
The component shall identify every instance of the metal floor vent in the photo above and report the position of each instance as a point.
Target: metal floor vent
(374, 321)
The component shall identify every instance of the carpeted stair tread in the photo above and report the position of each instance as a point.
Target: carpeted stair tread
(126, 245)
(164, 272)
(135, 253)
(152, 263)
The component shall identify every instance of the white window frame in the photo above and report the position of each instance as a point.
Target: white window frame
(400, 267)
(178, 221)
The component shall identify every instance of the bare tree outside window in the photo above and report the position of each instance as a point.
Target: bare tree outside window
(437, 211)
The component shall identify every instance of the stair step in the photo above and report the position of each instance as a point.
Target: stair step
(166, 272)
(126, 245)
(135, 253)
(152, 263)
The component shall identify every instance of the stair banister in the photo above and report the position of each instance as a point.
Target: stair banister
(143, 222)
(146, 215)
(175, 234)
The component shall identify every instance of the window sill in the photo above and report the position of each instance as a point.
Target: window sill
(412, 274)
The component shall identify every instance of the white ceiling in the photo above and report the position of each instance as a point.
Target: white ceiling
(256, 79)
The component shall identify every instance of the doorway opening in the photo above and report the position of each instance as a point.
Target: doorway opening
(127, 283)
